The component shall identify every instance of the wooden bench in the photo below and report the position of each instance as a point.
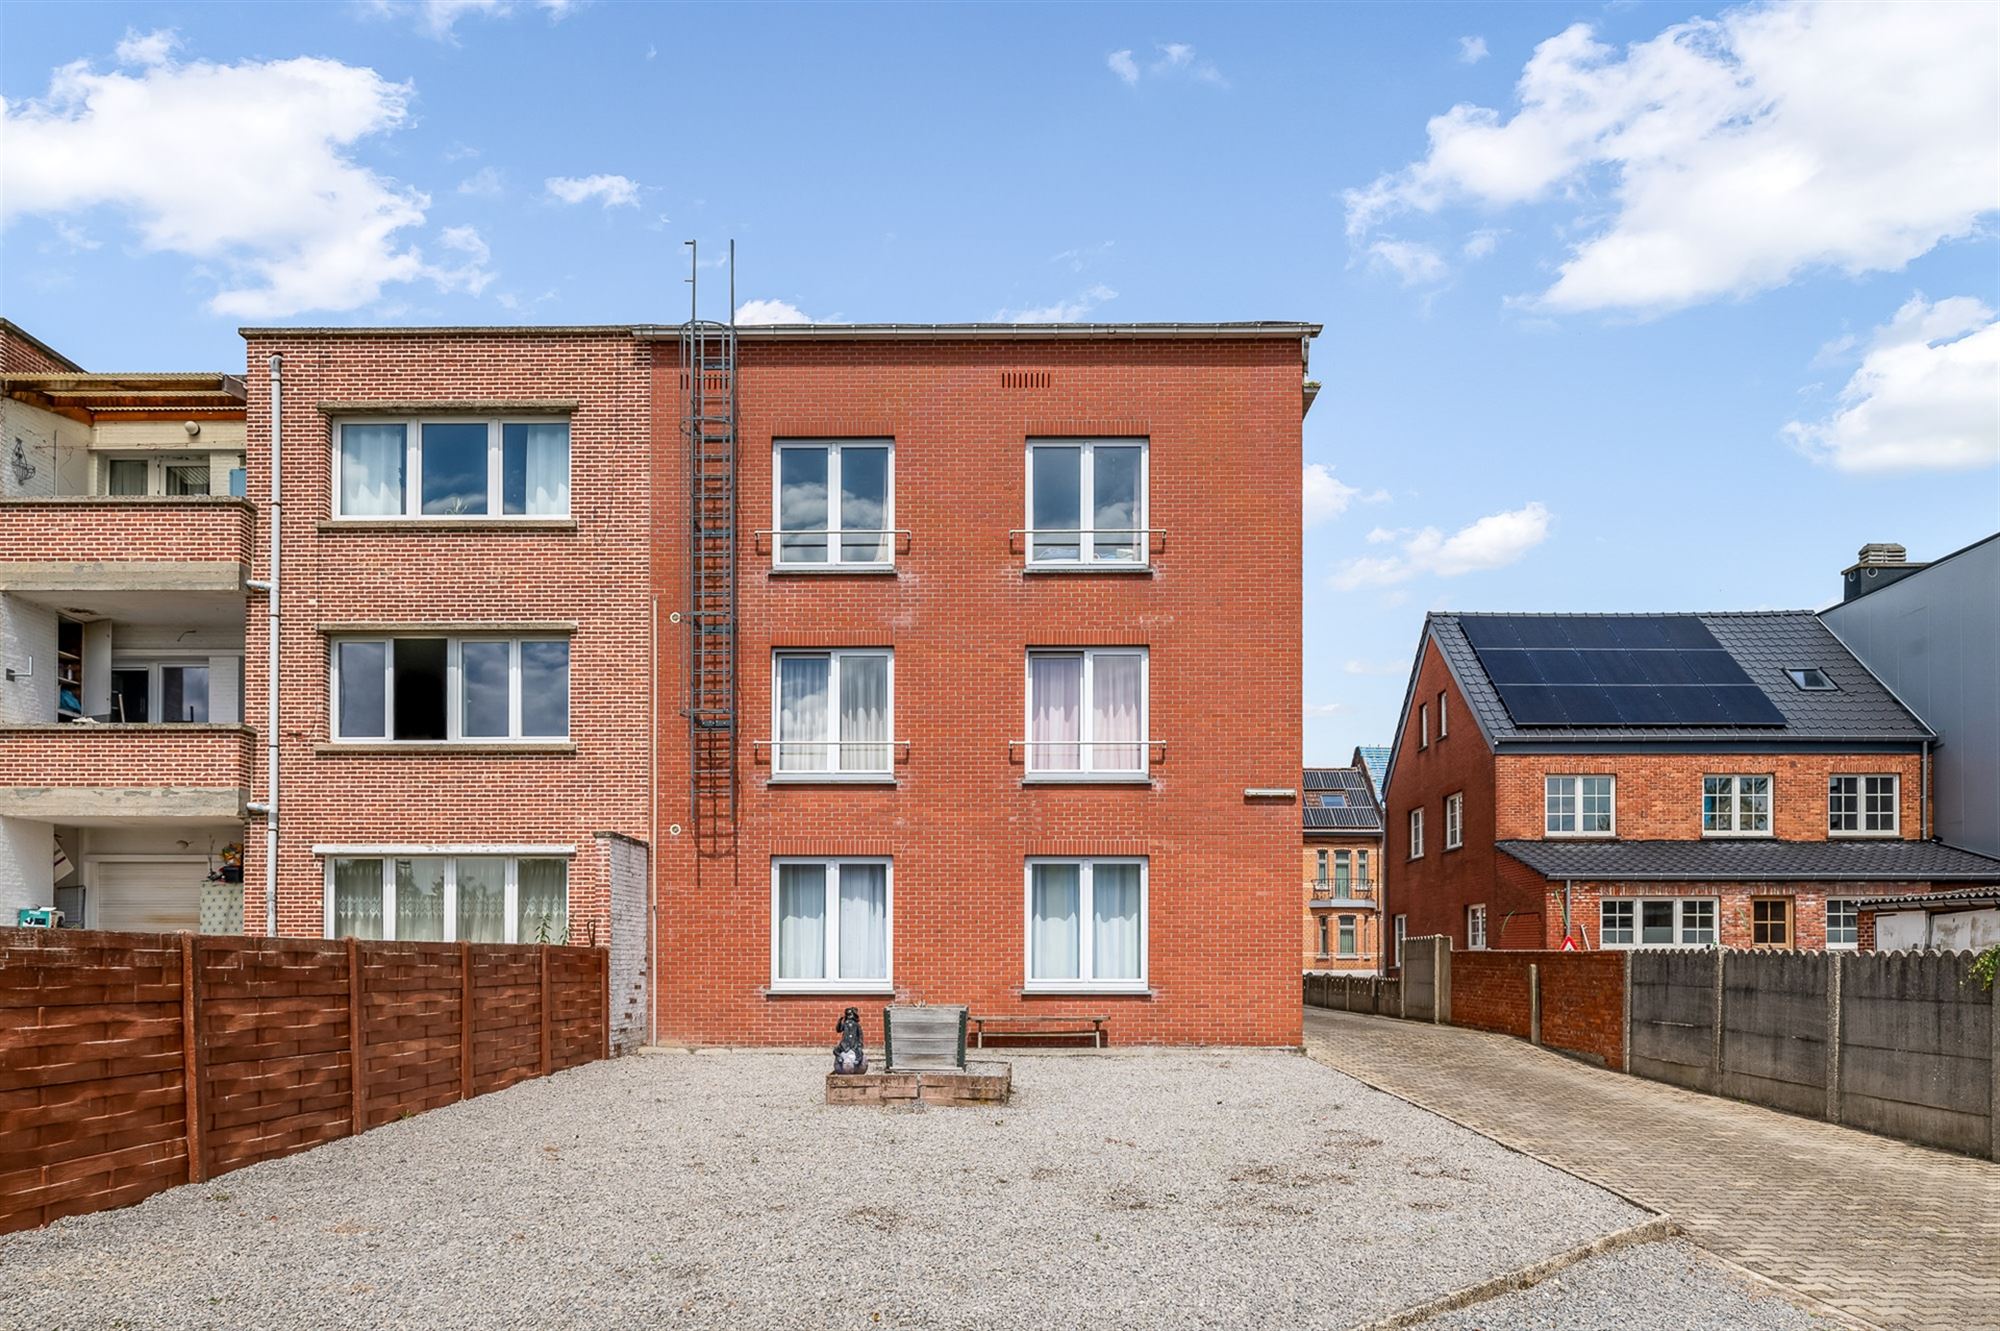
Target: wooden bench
(1041, 1026)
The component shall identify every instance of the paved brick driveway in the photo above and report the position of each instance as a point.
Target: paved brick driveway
(1891, 1233)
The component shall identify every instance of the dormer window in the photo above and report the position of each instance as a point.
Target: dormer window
(1811, 679)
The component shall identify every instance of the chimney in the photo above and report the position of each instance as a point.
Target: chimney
(1878, 564)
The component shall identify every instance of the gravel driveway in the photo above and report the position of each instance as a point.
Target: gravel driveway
(1121, 1190)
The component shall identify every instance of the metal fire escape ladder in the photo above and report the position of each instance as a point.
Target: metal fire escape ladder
(708, 378)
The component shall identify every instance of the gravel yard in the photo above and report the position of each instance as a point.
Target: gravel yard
(1142, 1190)
(1671, 1286)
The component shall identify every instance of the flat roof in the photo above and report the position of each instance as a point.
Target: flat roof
(93, 394)
(816, 332)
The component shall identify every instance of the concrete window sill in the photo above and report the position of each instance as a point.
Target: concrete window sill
(434, 525)
(457, 748)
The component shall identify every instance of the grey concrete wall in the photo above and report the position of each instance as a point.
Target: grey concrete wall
(631, 984)
(1426, 974)
(1774, 1026)
(1933, 638)
(1673, 1002)
(1355, 993)
(1917, 1050)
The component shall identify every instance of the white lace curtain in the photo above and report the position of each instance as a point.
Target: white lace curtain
(1115, 690)
(864, 714)
(371, 470)
(802, 713)
(864, 922)
(801, 921)
(1056, 684)
(1054, 938)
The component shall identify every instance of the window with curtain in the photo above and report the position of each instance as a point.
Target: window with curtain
(1343, 871)
(1087, 501)
(449, 898)
(1087, 924)
(1087, 713)
(1346, 935)
(452, 469)
(402, 689)
(832, 715)
(830, 924)
(834, 503)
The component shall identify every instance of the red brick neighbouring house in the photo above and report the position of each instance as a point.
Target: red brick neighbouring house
(1654, 780)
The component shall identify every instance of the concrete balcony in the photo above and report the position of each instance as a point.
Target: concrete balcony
(71, 544)
(85, 774)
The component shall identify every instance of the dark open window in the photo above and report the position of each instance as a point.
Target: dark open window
(420, 688)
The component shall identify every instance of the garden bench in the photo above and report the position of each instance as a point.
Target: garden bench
(1041, 1025)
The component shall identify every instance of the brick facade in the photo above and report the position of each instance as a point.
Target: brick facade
(127, 756)
(94, 528)
(1366, 956)
(23, 353)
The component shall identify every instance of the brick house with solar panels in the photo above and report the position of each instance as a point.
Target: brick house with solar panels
(1342, 818)
(1685, 780)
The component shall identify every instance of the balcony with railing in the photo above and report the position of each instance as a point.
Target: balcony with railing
(1334, 893)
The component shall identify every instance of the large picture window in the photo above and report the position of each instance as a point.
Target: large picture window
(1862, 805)
(1578, 805)
(830, 925)
(444, 898)
(1087, 714)
(1087, 501)
(1656, 922)
(1736, 805)
(1087, 924)
(451, 469)
(835, 503)
(438, 689)
(832, 715)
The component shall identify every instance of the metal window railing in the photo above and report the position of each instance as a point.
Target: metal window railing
(891, 751)
(1086, 546)
(1066, 757)
(787, 541)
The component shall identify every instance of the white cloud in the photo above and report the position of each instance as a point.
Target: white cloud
(1736, 152)
(1124, 66)
(1076, 308)
(152, 48)
(1413, 264)
(439, 18)
(1083, 256)
(1471, 50)
(1926, 396)
(1494, 541)
(485, 183)
(610, 191)
(247, 168)
(1174, 60)
(1326, 708)
(771, 312)
(1481, 243)
(1327, 496)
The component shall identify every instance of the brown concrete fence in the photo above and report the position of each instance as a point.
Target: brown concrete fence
(130, 1063)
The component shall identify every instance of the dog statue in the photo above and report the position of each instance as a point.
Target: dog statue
(848, 1055)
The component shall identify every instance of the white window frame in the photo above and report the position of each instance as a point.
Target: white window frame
(1086, 538)
(1350, 927)
(1851, 944)
(454, 696)
(1085, 914)
(387, 856)
(1475, 927)
(1401, 935)
(1861, 796)
(1444, 727)
(1087, 743)
(1423, 725)
(157, 463)
(835, 548)
(1324, 944)
(831, 983)
(155, 691)
(413, 468)
(1683, 909)
(1575, 782)
(1735, 796)
(835, 657)
(1454, 820)
(1416, 847)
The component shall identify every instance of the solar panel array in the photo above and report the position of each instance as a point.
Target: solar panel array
(1615, 670)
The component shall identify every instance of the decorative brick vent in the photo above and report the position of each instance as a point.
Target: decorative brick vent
(1024, 378)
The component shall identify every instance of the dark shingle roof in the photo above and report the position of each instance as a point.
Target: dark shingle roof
(1753, 861)
(1765, 644)
(1356, 811)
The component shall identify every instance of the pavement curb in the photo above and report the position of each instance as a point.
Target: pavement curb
(1646, 1231)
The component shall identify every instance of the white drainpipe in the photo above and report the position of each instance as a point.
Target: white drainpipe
(268, 806)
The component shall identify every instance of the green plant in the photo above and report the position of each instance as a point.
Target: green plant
(1985, 966)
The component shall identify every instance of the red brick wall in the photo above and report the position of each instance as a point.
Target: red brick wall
(86, 529)
(215, 756)
(1489, 992)
(1434, 891)
(1732, 905)
(1220, 615)
(1583, 1003)
(20, 354)
(1658, 795)
(595, 574)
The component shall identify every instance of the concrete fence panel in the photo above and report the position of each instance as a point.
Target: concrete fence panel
(1774, 1022)
(1917, 1050)
(1673, 1035)
(1355, 993)
(1426, 975)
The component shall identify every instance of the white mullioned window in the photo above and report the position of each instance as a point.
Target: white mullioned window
(1579, 805)
(833, 715)
(1863, 805)
(832, 925)
(833, 502)
(1454, 821)
(1346, 936)
(1401, 932)
(446, 896)
(1475, 928)
(451, 467)
(1087, 501)
(433, 689)
(1736, 806)
(1444, 726)
(1656, 922)
(1843, 924)
(1087, 924)
(1416, 834)
(1087, 714)
(1423, 725)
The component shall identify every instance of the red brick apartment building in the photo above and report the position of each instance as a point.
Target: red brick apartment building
(1655, 781)
(899, 683)
(1342, 817)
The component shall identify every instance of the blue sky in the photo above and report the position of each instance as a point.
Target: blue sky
(1674, 312)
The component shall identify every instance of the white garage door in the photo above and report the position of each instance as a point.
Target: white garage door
(149, 896)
